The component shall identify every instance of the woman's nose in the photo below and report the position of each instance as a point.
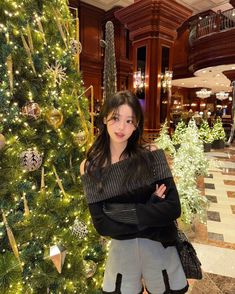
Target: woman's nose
(121, 124)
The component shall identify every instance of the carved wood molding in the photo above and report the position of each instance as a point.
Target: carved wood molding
(212, 50)
(153, 18)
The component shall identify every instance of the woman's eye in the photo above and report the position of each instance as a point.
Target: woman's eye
(115, 118)
(129, 121)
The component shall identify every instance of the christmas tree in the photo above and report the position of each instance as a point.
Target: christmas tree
(179, 132)
(110, 79)
(164, 141)
(47, 242)
(205, 133)
(218, 132)
(190, 162)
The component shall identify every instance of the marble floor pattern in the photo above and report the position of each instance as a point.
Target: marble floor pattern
(215, 241)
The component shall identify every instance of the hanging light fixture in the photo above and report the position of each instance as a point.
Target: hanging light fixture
(139, 80)
(166, 79)
(222, 95)
(203, 93)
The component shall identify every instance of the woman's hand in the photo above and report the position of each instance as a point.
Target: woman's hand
(160, 191)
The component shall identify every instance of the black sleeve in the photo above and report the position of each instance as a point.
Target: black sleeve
(160, 213)
(105, 226)
(155, 212)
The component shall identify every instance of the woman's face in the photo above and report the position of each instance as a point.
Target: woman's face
(121, 123)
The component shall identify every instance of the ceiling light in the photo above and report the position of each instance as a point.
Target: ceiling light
(221, 95)
(203, 93)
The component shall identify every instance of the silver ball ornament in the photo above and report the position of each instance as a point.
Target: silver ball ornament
(79, 229)
(31, 160)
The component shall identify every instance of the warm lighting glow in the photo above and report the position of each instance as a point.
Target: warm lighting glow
(166, 80)
(203, 93)
(139, 80)
(222, 95)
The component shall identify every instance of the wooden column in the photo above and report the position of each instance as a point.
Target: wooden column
(153, 23)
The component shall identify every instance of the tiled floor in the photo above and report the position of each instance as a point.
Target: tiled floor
(215, 241)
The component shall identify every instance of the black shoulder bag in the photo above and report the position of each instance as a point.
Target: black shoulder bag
(188, 256)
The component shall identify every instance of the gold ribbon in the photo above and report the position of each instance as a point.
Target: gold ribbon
(71, 167)
(42, 180)
(30, 39)
(26, 207)
(10, 70)
(27, 49)
(90, 134)
(12, 240)
(77, 57)
(41, 28)
(58, 180)
(60, 27)
(9, 66)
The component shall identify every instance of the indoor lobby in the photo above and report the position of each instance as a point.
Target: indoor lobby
(59, 61)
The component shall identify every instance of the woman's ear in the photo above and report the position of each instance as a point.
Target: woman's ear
(105, 120)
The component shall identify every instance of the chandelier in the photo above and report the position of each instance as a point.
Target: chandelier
(166, 79)
(222, 95)
(203, 93)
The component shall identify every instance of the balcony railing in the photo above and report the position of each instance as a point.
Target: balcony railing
(212, 23)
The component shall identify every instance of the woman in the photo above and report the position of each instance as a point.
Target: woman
(121, 179)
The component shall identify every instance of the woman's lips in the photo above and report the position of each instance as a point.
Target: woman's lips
(119, 135)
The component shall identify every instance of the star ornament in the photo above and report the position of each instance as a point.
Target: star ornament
(57, 255)
(57, 72)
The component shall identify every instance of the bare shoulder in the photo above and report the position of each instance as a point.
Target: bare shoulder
(82, 166)
(151, 147)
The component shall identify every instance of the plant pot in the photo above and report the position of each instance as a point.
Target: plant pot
(218, 144)
(207, 147)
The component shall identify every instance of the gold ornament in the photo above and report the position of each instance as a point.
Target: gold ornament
(90, 268)
(31, 110)
(2, 141)
(76, 47)
(12, 240)
(80, 138)
(54, 118)
(57, 255)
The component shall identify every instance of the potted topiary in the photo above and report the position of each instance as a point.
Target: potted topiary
(205, 135)
(163, 141)
(218, 134)
(178, 134)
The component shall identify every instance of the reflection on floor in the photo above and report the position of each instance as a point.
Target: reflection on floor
(215, 241)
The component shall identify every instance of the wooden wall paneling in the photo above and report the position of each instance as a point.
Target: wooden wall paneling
(153, 23)
(181, 51)
(90, 19)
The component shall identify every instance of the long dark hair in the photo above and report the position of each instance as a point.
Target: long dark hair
(99, 153)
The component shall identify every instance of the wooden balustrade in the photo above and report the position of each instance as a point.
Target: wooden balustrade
(212, 23)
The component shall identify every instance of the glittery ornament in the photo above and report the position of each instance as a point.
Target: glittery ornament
(31, 160)
(90, 268)
(103, 242)
(76, 47)
(31, 110)
(2, 141)
(79, 229)
(57, 72)
(80, 138)
(57, 255)
(54, 118)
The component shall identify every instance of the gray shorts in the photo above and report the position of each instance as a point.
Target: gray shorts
(132, 262)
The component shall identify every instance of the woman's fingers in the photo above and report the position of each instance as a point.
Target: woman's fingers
(160, 191)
